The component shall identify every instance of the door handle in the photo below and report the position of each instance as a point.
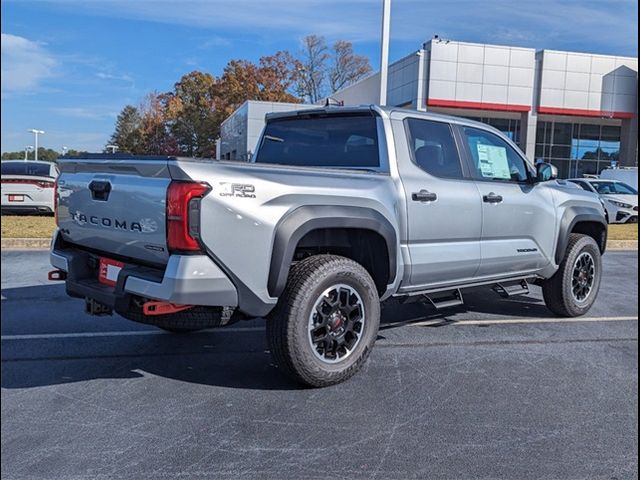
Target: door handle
(424, 196)
(492, 198)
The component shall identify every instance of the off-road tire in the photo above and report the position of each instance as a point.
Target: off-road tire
(557, 290)
(288, 324)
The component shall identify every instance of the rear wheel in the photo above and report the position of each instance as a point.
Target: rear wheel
(573, 289)
(326, 321)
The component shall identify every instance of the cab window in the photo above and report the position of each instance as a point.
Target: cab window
(493, 158)
(433, 148)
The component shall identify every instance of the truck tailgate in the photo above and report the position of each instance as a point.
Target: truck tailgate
(116, 206)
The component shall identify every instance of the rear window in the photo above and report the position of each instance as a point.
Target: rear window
(26, 168)
(332, 141)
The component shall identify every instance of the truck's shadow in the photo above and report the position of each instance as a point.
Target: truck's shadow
(231, 358)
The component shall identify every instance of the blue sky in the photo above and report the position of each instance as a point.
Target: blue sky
(68, 66)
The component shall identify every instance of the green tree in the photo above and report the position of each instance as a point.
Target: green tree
(13, 155)
(128, 132)
(45, 154)
(192, 116)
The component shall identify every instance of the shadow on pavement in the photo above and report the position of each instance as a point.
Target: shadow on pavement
(228, 358)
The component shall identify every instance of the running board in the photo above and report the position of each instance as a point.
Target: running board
(506, 290)
(453, 299)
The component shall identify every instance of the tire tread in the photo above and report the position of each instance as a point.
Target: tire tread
(280, 335)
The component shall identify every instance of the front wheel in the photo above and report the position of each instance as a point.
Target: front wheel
(326, 321)
(573, 289)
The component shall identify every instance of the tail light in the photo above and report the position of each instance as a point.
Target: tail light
(55, 200)
(183, 215)
(38, 183)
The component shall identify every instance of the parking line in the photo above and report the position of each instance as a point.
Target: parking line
(42, 336)
(453, 323)
(513, 321)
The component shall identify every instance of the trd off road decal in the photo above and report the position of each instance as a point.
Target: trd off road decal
(243, 190)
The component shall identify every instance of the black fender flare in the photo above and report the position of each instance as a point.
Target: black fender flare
(573, 216)
(296, 224)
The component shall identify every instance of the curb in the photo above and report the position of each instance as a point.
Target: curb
(26, 243)
(44, 243)
(622, 245)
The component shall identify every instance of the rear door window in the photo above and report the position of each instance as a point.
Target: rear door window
(349, 141)
(433, 148)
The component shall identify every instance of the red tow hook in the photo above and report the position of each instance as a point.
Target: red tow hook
(154, 307)
(54, 275)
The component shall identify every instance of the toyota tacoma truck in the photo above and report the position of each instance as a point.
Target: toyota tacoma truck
(339, 209)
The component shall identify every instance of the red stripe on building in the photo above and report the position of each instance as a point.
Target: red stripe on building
(500, 107)
(584, 113)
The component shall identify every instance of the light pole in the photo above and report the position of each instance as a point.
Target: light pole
(35, 134)
(384, 50)
(27, 149)
(64, 150)
(113, 148)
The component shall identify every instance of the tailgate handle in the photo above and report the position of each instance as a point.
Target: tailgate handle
(100, 189)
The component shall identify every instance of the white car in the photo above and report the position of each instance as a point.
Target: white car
(619, 199)
(28, 186)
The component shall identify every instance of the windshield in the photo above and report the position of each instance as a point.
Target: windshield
(616, 188)
(29, 169)
(349, 141)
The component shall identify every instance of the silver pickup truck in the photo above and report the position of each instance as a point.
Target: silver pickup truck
(339, 209)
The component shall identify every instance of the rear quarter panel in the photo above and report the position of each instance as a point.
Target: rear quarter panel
(239, 223)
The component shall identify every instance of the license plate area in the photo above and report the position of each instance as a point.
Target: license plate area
(108, 271)
(16, 198)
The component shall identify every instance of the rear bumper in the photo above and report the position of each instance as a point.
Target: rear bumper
(13, 208)
(186, 280)
(32, 201)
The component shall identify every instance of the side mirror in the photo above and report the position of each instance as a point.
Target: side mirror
(546, 172)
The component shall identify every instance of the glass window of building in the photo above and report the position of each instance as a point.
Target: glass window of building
(577, 149)
(510, 127)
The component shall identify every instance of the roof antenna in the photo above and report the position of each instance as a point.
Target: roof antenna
(332, 102)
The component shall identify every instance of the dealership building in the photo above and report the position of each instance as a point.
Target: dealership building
(575, 110)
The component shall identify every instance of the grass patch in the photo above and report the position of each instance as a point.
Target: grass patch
(24, 226)
(42, 227)
(623, 232)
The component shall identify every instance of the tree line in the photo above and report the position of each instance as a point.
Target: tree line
(186, 120)
(47, 154)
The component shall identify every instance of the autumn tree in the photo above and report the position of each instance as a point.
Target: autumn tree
(313, 68)
(346, 67)
(272, 80)
(277, 77)
(157, 139)
(324, 71)
(187, 120)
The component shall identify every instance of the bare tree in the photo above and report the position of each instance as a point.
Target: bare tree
(346, 67)
(313, 70)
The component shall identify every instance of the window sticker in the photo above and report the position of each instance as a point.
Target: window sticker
(493, 162)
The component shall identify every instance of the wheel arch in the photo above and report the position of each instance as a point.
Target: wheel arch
(323, 224)
(584, 220)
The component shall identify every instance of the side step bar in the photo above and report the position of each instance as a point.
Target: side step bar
(449, 299)
(506, 290)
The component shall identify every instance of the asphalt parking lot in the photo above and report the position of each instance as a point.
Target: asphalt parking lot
(497, 389)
